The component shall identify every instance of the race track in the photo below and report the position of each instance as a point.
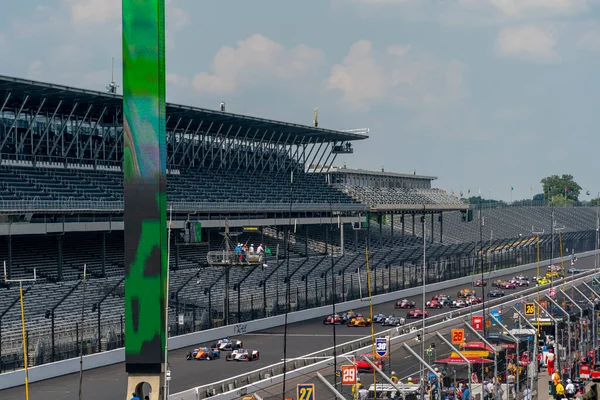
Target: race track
(303, 338)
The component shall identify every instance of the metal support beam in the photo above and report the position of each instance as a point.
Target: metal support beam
(181, 140)
(14, 124)
(76, 134)
(429, 367)
(22, 141)
(206, 151)
(56, 139)
(88, 143)
(383, 375)
(580, 322)
(239, 147)
(337, 394)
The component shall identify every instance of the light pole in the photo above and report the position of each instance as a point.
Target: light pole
(562, 271)
(592, 328)
(595, 327)
(517, 358)
(461, 355)
(535, 338)
(487, 343)
(23, 332)
(569, 338)
(580, 320)
(537, 284)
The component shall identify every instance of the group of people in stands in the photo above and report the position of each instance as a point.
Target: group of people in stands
(242, 251)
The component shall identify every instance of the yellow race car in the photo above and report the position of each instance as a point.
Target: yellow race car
(543, 281)
(359, 320)
(552, 274)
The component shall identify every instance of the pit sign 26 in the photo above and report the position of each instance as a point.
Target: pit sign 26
(348, 375)
(381, 347)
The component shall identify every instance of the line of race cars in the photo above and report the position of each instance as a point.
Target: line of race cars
(464, 298)
(236, 349)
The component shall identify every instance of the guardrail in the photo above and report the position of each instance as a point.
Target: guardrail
(65, 367)
(240, 385)
(117, 206)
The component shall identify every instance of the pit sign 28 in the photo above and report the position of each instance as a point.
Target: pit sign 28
(348, 375)
(458, 336)
(381, 347)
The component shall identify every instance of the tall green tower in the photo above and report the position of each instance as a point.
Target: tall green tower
(144, 166)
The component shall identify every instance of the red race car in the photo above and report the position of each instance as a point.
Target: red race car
(473, 300)
(333, 320)
(404, 304)
(417, 313)
(433, 304)
(364, 367)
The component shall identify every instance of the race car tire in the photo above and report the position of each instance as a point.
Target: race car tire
(188, 356)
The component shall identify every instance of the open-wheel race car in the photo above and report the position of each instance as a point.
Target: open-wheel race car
(433, 303)
(508, 285)
(364, 367)
(479, 283)
(404, 304)
(333, 320)
(459, 303)
(473, 300)
(359, 320)
(242, 355)
(464, 293)
(496, 293)
(392, 320)
(203, 353)
(378, 318)
(347, 316)
(443, 299)
(228, 344)
(417, 313)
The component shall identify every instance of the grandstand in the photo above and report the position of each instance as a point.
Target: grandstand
(61, 201)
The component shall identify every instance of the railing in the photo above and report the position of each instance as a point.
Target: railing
(117, 206)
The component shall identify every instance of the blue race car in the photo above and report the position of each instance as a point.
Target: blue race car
(203, 353)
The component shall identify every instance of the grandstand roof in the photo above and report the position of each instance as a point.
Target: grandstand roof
(19, 92)
(344, 170)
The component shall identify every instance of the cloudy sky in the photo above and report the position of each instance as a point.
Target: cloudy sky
(481, 93)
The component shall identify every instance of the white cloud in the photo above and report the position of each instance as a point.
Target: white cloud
(472, 12)
(528, 42)
(359, 77)
(364, 78)
(257, 58)
(538, 8)
(94, 11)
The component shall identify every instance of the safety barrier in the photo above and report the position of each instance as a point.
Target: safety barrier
(240, 385)
(65, 367)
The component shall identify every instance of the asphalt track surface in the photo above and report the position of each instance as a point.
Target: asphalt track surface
(303, 338)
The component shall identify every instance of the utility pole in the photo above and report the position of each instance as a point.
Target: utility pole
(23, 331)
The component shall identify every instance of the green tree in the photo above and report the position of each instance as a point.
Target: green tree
(556, 185)
(595, 202)
(538, 197)
(561, 201)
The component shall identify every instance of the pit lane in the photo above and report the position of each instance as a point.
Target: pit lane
(303, 338)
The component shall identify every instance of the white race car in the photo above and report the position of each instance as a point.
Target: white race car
(242, 355)
(227, 344)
